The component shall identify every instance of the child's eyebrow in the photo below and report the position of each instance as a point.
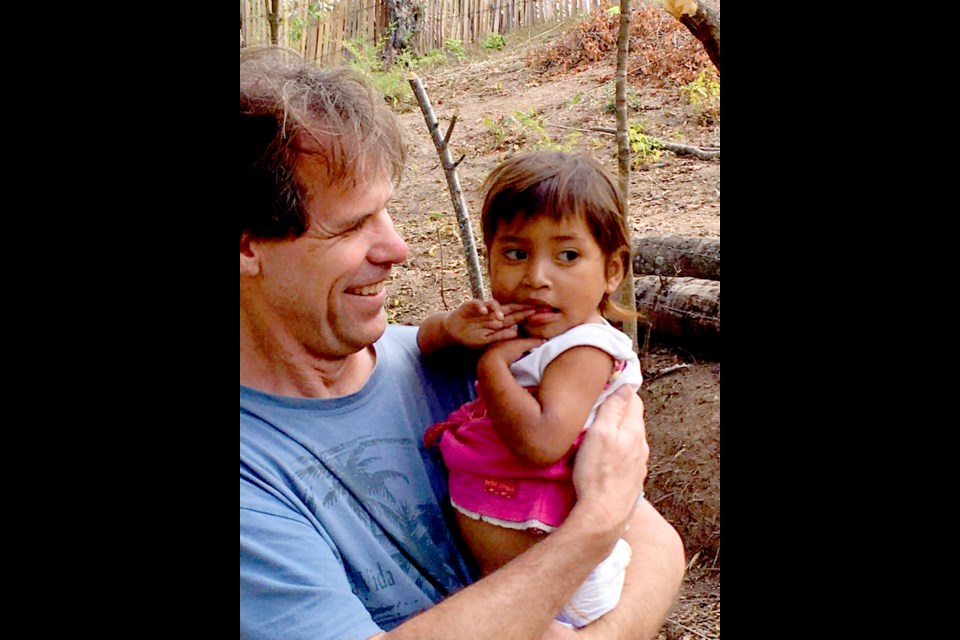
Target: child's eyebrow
(513, 239)
(560, 238)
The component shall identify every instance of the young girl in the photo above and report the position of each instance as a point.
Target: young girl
(557, 247)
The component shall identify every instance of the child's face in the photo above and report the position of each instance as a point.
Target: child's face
(556, 267)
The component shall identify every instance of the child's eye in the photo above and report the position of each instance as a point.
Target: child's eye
(569, 256)
(515, 254)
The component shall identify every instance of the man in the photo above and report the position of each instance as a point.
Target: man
(345, 531)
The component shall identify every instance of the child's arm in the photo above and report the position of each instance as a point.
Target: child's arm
(541, 429)
(475, 323)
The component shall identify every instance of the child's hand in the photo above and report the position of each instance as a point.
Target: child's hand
(507, 352)
(477, 323)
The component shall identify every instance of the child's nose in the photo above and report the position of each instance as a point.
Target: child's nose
(536, 275)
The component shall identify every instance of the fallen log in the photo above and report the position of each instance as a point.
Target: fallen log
(705, 153)
(675, 256)
(684, 309)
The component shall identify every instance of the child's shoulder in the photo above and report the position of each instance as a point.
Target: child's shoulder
(602, 336)
(591, 331)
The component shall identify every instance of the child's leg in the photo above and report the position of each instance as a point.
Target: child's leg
(494, 546)
(600, 592)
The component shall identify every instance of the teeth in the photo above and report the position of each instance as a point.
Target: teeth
(370, 290)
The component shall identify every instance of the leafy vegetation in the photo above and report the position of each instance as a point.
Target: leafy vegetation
(526, 130)
(297, 26)
(494, 41)
(455, 48)
(643, 149)
(703, 95)
(391, 79)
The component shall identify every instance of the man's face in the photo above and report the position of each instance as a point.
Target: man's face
(328, 285)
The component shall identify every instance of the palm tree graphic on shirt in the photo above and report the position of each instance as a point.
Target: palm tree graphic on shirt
(351, 471)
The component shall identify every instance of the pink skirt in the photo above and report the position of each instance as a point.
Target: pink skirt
(488, 480)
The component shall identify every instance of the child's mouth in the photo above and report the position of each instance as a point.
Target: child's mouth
(542, 314)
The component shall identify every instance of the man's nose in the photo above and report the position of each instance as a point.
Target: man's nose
(388, 247)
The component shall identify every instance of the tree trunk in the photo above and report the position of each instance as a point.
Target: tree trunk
(704, 24)
(406, 17)
(685, 309)
(273, 17)
(243, 24)
(625, 295)
(677, 256)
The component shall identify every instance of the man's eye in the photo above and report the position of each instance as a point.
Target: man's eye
(354, 228)
(515, 254)
(569, 256)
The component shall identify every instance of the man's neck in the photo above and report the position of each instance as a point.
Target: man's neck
(271, 366)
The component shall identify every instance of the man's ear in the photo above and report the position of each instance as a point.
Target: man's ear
(249, 256)
(615, 271)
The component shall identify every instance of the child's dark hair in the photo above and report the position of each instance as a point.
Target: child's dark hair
(559, 185)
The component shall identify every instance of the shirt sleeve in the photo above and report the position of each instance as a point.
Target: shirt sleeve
(529, 369)
(292, 584)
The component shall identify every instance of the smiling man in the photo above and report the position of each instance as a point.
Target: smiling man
(345, 530)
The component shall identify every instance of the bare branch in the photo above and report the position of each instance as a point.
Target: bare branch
(453, 184)
(453, 123)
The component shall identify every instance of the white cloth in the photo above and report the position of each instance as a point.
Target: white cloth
(529, 369)
(600, 592)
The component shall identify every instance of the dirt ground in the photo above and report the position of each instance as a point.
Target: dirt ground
(678, 195)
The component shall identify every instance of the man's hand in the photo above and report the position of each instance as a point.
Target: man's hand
(611, 464)
(477, 323)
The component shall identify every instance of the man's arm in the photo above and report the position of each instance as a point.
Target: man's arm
(653, 581)
(521, 599)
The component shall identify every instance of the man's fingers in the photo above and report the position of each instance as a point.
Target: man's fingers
(634, 416)
(612, 411)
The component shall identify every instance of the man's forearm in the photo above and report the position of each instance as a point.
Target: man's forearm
(520, 600)
(653, 580)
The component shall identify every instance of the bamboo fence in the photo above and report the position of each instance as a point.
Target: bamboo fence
(318, 29)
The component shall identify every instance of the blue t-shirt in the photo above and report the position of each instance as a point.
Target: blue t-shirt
(345, 525)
